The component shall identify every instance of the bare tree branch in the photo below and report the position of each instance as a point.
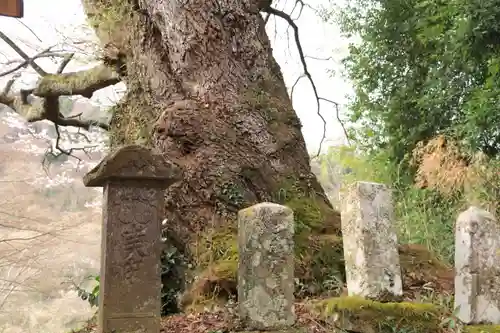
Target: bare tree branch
(306, 72)
(31, 30)
(65, 63)
(50, 153)
(45, 104)
(318, 58)
(24, 63)
(295, 85)
(51, 54)
(42, 101)
(266, 19)
(337, 115)
(19, 51)
(83, 83)
(297, 3)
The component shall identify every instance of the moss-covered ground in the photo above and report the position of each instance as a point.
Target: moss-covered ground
(361, 315)
(482, 329)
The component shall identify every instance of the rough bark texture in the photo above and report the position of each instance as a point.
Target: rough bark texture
(204, 89)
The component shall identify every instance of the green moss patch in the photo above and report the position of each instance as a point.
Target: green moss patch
(307, 212)
(109, 19)
(360, 315)
(218, 245)
(310, 210)
(482, 329)
(319, 260)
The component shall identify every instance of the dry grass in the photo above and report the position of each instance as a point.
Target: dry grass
(443, 166)
(440, 166)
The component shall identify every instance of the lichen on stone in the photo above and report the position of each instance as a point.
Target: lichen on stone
(306, 205)
(266, 266)
(370, 242)
(477, 280)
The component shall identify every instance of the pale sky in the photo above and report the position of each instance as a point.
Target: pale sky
(60, 22)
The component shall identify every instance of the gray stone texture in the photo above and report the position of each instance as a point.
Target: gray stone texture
(477, 267)
(134, 180)
(370, 242)
(266, 266)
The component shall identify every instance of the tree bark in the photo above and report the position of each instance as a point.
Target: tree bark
(204, 89)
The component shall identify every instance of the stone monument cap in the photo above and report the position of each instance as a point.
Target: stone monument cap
(133, 162)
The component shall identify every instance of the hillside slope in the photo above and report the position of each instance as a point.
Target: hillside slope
(49, 229)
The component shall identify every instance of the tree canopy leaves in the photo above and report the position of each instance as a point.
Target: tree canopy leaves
(423, 68)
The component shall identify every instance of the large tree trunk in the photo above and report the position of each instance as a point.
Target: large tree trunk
(204, 89)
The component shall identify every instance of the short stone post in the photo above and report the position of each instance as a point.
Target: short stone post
(477, 267)
(134, 182)
(266, 266)
(370, 242)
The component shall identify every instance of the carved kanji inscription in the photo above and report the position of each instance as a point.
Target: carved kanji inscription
(134, 182)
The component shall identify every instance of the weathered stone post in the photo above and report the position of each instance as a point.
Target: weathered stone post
(134, 181)
(266, 266)
(477, 267)
(370, 242)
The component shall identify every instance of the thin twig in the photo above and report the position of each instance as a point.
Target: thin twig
(23, 55)
(306, 72)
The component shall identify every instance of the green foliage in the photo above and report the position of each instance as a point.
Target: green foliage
(423, 217)
(172, 278)
(353, 165)
(424, 67)
(92, 297)
(229, 194)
